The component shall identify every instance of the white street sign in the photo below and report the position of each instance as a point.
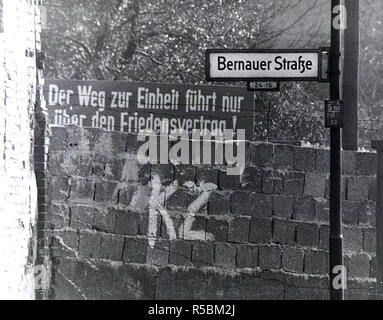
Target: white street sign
(263, 65)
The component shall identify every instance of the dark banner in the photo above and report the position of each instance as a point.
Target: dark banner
(134, 107)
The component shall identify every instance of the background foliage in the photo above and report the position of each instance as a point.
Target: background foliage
(165, 41)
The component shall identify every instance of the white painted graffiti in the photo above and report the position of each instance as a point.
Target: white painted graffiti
(157, 208)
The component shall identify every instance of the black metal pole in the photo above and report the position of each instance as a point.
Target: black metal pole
(336, 238)
(351, 77)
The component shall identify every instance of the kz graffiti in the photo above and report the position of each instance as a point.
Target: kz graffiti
(157, 207)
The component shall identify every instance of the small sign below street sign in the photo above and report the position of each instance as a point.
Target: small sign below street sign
(263, 86)
(333, 114)
(264, 65)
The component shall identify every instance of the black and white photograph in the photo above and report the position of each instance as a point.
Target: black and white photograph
(190, 155)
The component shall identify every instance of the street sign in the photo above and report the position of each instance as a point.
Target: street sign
(334, 114)
(263, 86)
(264, 65)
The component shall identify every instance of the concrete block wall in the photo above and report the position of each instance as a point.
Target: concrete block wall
(121, 230)
(18, 190)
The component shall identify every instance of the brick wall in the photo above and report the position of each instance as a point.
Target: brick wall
(18, 190)
(126, 231)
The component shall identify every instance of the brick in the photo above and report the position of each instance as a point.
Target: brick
(372, 189)
(77, 164)
(159, 255)
(316, 262)
(304, 209)
(82, 190)
(369, 240)
(247, 256)
(226, 182)
(125, 195)
(60, 216)
(77, 139)
(322, 161)
(65, 243)
(322, 210)
(367, 214)
(60, 190)
(207, 175)
(268, 182)
(260, 230)
(136, 197)
(263, 206)
(185, 174)
(59, 139)
(82, 217)
(315, 184)
(239, 229)
(225, 255)
(270, 258)
(366, 164)
(284, 232)
(194, 197)
(219, 229)
(219, 204)
(116, 170)
(116, 142)
(165, 172)
(106, 192)
(180, 253)
(242, 203)
(350, 210)
(178, 224)
(203, 254)
(324, 237)
(131, 143)
(144, 174)
(353, 239)
(119, 142)
(292, 259)
(304, 159)
(252, 179)
(283, 207)
(179, 200)
(348, 163)
(90, 243)
(56, 161)
(111, 247)
(284, 156)
(135, 250)
(197, 224)
(359, 266)
(262, 154)
(99, 165)
(126, 222)
(358, 188)
(104, 220)
(294, 183)
(273, 182)
(307, 235)
(373, 270)
(361, 290)
(143, 226)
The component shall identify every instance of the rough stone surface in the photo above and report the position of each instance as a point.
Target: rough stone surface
(292, 260)
(199, 233)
